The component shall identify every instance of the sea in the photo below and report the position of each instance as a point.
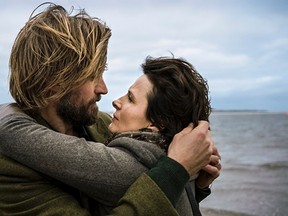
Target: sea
(254, 175)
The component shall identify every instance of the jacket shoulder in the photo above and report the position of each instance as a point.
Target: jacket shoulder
(99, 131)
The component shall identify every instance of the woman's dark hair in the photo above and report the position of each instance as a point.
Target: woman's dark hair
(179, 95)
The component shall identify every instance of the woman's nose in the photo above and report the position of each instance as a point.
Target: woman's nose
(116, 104)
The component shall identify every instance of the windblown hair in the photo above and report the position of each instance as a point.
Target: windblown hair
(56, 49)
(179, 95)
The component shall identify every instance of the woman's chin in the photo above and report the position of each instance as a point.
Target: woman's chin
(112, 128)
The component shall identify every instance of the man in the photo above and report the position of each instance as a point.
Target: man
(57, 63)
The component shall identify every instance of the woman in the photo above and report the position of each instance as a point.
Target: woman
(170, 95)
(163, 101)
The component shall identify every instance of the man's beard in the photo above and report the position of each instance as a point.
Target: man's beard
(82, 115)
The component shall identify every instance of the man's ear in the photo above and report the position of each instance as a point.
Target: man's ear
(153, 128)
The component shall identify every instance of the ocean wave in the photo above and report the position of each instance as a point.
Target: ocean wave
(275, 165)
(243, 167)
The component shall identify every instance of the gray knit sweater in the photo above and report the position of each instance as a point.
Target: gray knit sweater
(102, 172)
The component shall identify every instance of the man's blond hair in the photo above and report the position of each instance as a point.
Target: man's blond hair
(56, 49)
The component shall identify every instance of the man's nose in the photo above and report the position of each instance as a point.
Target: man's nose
(101, 87)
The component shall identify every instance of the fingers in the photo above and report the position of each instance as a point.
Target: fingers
(187, 130)
(214, 160)
(216, 152)
(203, 125)
(192, 148)
(213, 171)
(207, 175)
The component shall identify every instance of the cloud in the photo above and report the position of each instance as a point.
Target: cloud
(231, 86)
(239, 46)
(277, 43)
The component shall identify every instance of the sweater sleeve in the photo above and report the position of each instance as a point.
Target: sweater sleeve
(91, 167)
(201, 194)
(170, 176)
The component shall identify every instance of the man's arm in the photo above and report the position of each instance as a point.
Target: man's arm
(91, 167)
(16, 128)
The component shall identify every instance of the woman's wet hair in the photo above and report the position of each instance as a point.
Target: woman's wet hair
(179, 95)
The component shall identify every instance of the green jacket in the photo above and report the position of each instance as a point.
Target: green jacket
(24, 191)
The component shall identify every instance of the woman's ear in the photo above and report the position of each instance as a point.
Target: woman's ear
(153, 128)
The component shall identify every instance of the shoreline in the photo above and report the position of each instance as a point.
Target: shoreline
(247, 113)
(219, 212)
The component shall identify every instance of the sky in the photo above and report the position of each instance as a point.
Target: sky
(239, 46)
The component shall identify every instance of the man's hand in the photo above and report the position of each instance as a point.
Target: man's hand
(210, 172)
(192, 148)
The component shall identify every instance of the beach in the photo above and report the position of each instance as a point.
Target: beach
(254, 150)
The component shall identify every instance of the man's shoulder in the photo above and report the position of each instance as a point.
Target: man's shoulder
(9, 109)
(11, 113)
(99, 131)
(105, 117)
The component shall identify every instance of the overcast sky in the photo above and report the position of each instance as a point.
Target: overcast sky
(239, 46)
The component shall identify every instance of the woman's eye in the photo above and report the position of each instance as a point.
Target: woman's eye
(129, 97)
